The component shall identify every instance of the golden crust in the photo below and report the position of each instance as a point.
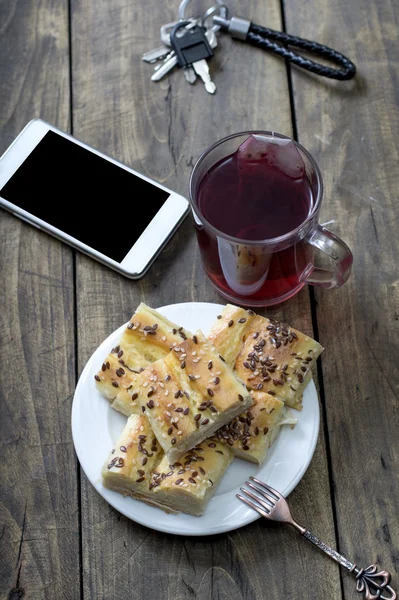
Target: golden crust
(190, 482)
(251, 434)
(151, 336)
(114, 377)
(228, 331)
(272, 357)
(190, 394)
(138, 467)
(129, 466)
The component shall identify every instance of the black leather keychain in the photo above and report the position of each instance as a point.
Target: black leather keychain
(278, 42)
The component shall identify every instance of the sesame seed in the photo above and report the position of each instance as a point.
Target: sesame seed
(265, 430)
(140, 479)
(123, 449)
(167, 378)
(195, 339)
(230, 323)
(240, 397)
(219, 316)
(114, 383)
(186, 411)
(216, 380)
(197, 417)
(210, 365)
(192, 480)
(144, 461)
(173, 441)
(179, 481)
(242, 320)
(221, 358)
(183, 365)
(210, 392)
(271, 393)
(96, 377)
(205, 422)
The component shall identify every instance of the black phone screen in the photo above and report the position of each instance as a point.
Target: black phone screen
(84, 195)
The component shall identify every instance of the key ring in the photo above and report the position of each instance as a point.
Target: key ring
(219, 7)
(213, 10)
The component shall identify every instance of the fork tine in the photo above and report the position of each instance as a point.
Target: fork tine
(257, 499)
(253, 506)
(269, 499)
(271, 490)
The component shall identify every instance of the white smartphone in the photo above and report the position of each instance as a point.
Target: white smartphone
(88, 200)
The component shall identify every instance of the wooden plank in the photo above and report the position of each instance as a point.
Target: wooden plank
(352, 130)
(39, 542)
(160, 129)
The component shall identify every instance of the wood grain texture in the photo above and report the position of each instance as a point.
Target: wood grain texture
(160, 129)
(352, 130)
(39, 535)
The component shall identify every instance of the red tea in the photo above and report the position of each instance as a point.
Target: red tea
(258, 193)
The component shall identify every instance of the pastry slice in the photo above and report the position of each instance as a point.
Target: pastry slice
(115, 381)
(228, 331)
(148, 337)
(189, 395)
(277, 359)
(268, 355)
(129, 467)
(137, 467)
(189, 484)
(252, 433)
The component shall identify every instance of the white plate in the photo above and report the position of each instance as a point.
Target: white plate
(96, 426)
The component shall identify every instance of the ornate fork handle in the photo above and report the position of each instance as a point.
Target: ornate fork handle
(373, 583)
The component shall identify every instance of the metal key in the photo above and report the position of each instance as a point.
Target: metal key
(190, 75)
(192, 49)
(172, 61)
(202, 69)
(154, 55)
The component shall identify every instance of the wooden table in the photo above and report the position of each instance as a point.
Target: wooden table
(77, 65)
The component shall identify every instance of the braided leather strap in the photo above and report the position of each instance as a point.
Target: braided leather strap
(267, 39)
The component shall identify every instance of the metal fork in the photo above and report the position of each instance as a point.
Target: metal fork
(273, 506)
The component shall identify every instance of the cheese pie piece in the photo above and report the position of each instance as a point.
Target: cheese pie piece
(148, 337)
(228, 331)
(128, 469)
(270, 356)
(138, 467)
(188, 485)
(189, 395)
(252, 433)
(114, 381)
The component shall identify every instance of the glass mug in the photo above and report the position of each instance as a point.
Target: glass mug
(256, 199)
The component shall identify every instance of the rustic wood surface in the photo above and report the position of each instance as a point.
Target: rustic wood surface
(78, 66)
(356, 145)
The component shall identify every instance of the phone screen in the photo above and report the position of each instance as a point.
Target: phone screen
(84, 195)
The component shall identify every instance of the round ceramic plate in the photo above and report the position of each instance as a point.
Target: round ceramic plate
(96, 426)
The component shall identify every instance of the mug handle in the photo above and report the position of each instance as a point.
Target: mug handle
(326, 241)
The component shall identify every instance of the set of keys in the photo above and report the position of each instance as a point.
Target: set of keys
(187, 44)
